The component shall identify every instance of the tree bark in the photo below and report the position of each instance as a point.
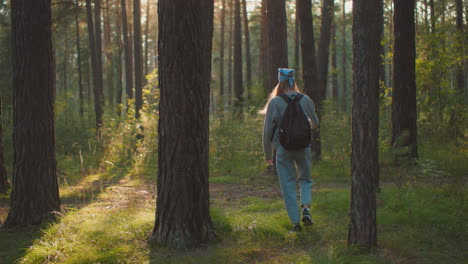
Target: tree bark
(221, 59)
(147, 37)
(137, 57)
(322, 63)
(334, 67)
(78, 61)
(297, 40)
(433, 18)
(118, 40)
(238, 83)
(185, 39)
(248, 58)
(404, 132)
(127, 53)
(230, 54)
(367, 19)
(277, 39)
(108, 50)
(35, 194)
(99, 89)
(4, 185)
(309, 62)
(265, 77)
(461, 38)
(344, 67)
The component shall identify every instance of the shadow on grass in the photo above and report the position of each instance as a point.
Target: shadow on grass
(15, 242)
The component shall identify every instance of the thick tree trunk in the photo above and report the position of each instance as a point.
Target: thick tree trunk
(127, 53)
(78, 61)
(265, 77)
(238, 83)
(344, 66)
(183, 204)
(138, 57)
(334, 67)
(4, 185)
(99, 89)
(461, 38)
(367, 19)
(94, 66)
(35, 194)
(309, 62)
(404, 134)
(322, 64)
(248, 58)
(277, 39)
(221, 59)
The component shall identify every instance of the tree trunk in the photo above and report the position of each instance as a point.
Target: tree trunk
(35, 194)
(94, 66)
(127, 53)
(221, 59)
(367, 19)
(265, 77)
(461, 38)
(404, 134)
(248, 58)
(118, 40)
(4, 185)
(147, 37)
(99, 89)
(183, 204)
(433, 18)
(137, 57)
(297, 40)
(322, 63)
(109, 63)
(309, 62)
(277, 39)
(230, 53)
(344, 66)
(78, 62)
(334, 67)
(238, 83)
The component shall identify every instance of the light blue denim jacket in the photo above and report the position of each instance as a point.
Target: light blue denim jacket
(274, 114)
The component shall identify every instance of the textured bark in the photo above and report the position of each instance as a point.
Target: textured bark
(99, 89)
(127, 53)
(230, 54)
(238, 83)
(344, 66)
(248, 58)
(367, 19)
(94, 66)
(334, 67)
(462, 40)
(221, 59)
(185, 37)
(35, 194)
(309, 65)
(108, 50)
(137, 57)
(297, 40)
(277, 39)
(322, 66)
(78, 61)
(118, 41)
(147, 37)
(264, 49)
(4, 185)
(404, 134)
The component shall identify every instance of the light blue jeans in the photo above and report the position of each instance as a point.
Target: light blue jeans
(285, 161)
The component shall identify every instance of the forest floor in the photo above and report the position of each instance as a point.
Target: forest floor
(108, 220)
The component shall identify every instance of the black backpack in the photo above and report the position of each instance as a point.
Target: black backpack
(295, 128)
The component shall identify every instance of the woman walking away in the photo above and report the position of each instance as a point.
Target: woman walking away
(290, 115)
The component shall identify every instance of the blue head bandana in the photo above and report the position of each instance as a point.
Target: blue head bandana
(286, 74)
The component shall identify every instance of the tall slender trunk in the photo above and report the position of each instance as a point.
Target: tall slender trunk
(127, 53)
(4, 185)
(277, 39)
(118, 40)
(462, 46)
(344, 66)
(367, 19)
(147, 37)
(221, 59)
(78, 61)
(99, 93)
(137, 57)
(109, 62)
(334, 67)
(248, 58)
(35, 194)
(238, 83)
(230, 53)
(263, 47)
(297, 41)
(322, 63)
(433, 18)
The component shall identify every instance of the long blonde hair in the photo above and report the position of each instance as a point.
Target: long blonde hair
(280, 88)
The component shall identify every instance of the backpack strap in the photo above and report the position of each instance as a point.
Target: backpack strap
(286, 98)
